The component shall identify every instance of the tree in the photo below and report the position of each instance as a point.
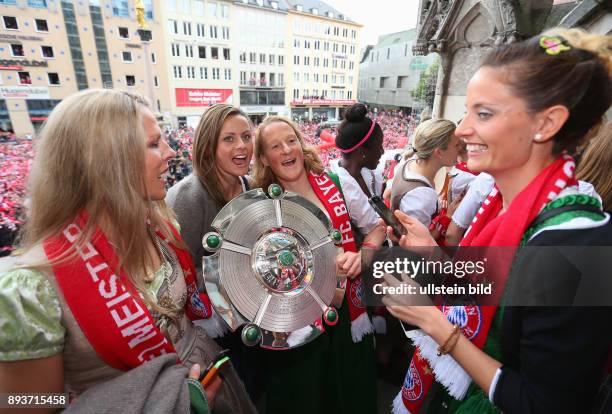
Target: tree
(425, 90)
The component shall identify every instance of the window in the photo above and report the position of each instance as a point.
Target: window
(226, 53)
(351, 65)
(47, 52)
(336, 31)
(349, 95)
(306, 77)
(343, 64)
(305, 93)
(10, 23)
(130, 80)
(334, 79)
(200, 30)
(53, 78)
(176, 51)
(215, 73)
(335, 63)
(296, 77)
(316, 61)
(296, 60)
(306, 44)
(271, 59)
(203, 73)
(252, 57)
(178, 72)
(153, 57)
(281, 79)
(296, 42)
(383, 82)
(242, 57)
(24, 78)
(243, 77)
(190, 72)
(225, 11)
(315, 11)
(41, 25)
(155, 81)
(213, 31)
(353, 33)
(330, 14)
(352, 49)
(388, 52)
(41, 4)
(262, 58)
(189, 50)
(202, 52)
(317, 45)
(281, 60)
(274, 5)
(17, 49)
(315, 77)
(212, 9)
(214, 53)
(120, 8)
(198, 7)
(227, 74)
(299, 7)
(326, 46)
(123, 32)
(127, 56)
(324, 78)
(325, 62)
(296, 94)
(187, 28)
(306, 60)
(343, 48)
(173, 26)
(344, 32)
(335, 47)
(225, 33)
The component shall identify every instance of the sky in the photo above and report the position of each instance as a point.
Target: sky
(378, 17)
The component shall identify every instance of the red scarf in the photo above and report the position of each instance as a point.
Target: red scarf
(334, 204)
(106, 305)
(489, 228)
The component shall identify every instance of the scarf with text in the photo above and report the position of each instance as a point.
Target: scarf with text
(334, 204)
(489, 228)
(107, 306)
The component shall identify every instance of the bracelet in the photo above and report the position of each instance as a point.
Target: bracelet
(450, 342)
(369, 245)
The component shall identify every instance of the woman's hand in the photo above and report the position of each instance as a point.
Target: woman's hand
(417, 235)
(348, 264)
(211, 389)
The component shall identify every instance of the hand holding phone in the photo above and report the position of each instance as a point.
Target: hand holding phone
(386, 214)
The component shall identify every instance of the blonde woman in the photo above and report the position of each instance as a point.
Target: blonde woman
(435, 146)
(104, 282)
(594, 166)
(222, 151)
(336, 371)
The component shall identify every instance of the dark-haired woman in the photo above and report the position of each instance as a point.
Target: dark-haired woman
(360, 140)
(528, 105)
(222, 151)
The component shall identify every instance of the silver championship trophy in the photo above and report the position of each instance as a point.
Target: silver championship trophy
(272, 271)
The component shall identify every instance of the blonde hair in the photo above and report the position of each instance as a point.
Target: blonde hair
(263, 175)
(598, 44)
(91, 156)
(429, 135)
(595, 164)
(205, 144)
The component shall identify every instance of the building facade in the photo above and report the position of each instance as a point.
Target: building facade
(262, 56)
(51, 49)
(323, 63)
(389, 72)
(267, 56)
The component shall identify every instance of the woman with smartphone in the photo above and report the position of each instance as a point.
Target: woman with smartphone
(529, 106)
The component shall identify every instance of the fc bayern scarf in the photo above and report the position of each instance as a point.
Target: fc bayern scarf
(489, 228)
(105, 303)
(334, 204)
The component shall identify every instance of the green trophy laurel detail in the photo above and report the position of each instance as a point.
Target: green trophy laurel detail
(332, 315)
(286, 258)
(275, 190)
(213, 241)
(336, 236)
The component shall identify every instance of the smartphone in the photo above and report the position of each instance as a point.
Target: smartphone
(383, 211)
(220, 355)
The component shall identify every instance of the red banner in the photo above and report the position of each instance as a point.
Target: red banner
(202, 97)
(323, 102)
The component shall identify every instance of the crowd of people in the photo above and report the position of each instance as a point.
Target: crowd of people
(110, 293)
(15, 158)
